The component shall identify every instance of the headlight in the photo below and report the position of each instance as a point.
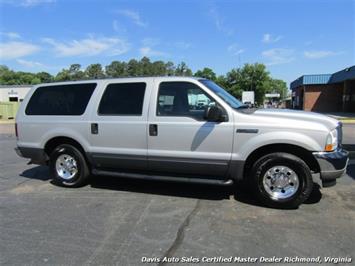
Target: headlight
(332, 140)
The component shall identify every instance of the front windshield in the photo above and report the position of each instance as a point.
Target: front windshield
(224, 95)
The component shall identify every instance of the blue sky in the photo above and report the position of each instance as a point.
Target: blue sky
(292, 37)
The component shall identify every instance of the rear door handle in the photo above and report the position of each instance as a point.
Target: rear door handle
(94, 128)
(153, 130)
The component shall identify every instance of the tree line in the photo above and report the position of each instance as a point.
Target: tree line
(250, 77)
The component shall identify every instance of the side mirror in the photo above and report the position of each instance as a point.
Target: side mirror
(214, 114)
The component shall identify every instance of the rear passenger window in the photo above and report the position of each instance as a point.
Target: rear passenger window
(123, 99)
(70, 99)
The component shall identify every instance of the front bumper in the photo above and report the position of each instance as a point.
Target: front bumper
(332, 165)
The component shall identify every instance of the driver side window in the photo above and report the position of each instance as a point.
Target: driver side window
(182, 99)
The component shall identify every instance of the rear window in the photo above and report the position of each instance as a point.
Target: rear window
(70, 99)
(123, 99)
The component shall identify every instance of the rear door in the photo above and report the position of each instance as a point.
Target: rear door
(119, 126)
(180, 140)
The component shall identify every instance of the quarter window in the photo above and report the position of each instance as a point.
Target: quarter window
(182, 99)
(70, 99)
(123, 99)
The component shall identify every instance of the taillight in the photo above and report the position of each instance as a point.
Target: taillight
(16, 132)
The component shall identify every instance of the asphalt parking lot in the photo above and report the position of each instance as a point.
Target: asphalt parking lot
(118, 221)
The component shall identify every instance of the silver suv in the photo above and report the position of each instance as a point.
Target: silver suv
(156, 128)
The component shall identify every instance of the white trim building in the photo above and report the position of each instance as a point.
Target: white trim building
(13, 93)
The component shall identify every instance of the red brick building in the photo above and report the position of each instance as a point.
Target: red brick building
(325, 92)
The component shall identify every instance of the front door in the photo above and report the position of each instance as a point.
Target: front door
(180, 139)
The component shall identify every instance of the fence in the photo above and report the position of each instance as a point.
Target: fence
(8, 110)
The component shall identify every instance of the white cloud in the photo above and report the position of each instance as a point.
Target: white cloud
(27, 3)
(148, 51)
(13, 49)
(134, 16)
(150, 41)
(117, 27)
(182, 45)
(235, 50)
(89, 46)
(219, 22)
(11, 35)
(278, 56)
(29, 64)
(316, 54)
(268, 38)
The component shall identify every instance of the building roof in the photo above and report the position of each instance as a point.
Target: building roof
(311, 79)
(340, 76)
(15, 86)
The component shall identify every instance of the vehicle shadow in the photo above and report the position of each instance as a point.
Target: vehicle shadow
(175, 189)
(351, 171)
(240, 192)
(37, 172)
(316, 195)
(198, 191)
(244, 194)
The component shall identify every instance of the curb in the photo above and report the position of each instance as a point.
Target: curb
(347, 121)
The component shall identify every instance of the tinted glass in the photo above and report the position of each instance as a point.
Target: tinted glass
(69, 99)
(225, 96)
(123, 99)
(182, 99)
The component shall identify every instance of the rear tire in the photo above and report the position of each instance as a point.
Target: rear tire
(68, 166)
(281, 180)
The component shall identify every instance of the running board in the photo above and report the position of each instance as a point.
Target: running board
(164, 178)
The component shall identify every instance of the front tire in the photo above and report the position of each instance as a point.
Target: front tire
(68, 166)
(281, 180)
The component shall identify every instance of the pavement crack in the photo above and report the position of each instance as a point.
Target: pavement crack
(180, 234)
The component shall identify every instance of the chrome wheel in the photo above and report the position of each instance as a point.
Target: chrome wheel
(280, 182)
(66, 166)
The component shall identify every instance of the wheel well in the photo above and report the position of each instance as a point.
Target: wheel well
(298, 151)
(55, 142)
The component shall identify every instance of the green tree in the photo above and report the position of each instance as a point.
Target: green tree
(170, 68)
(133, 68)
(116, 69)
(145, 66)
(94, 71)
(26, 78)
(222, 81)
(206, 73)
(159, 68)
(44, 77)
(277, 86)
(35, 80)
(75, 72)
(7, 76)
(62, 75)
(183, 70)
(251, 77)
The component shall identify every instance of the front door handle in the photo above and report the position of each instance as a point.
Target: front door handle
(153, 130)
